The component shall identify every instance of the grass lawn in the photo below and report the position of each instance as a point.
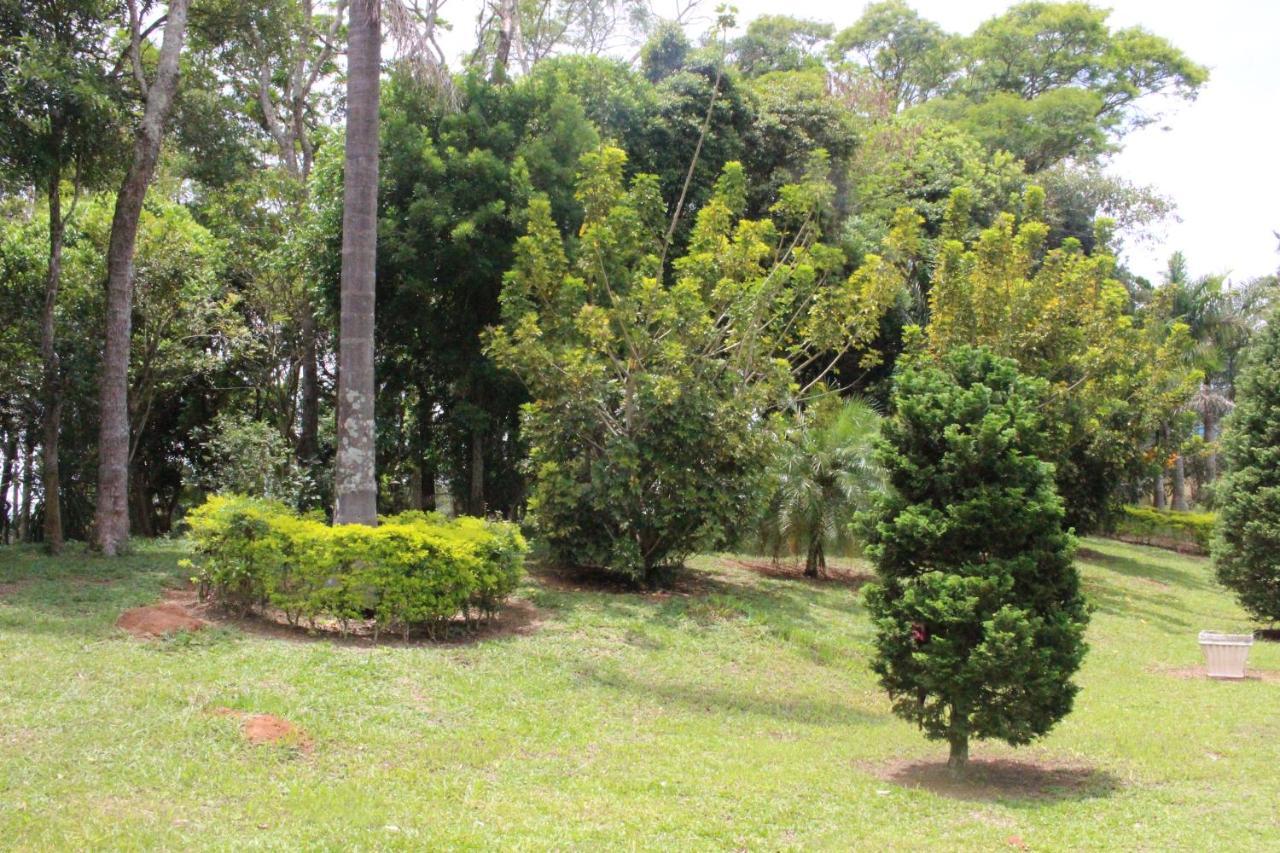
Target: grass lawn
(741, 714)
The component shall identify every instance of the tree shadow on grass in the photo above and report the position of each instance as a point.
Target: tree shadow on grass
(1160, 609)
(776, 704)
(79, 594)
(1154, 569)
(797, 614)
(851, 579)
(1003, 780)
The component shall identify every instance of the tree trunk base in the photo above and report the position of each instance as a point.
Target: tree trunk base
(958, 760)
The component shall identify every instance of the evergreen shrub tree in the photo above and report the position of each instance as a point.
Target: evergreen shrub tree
(978, 612)
(1246, 550)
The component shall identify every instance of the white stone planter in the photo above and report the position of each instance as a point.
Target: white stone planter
(1225, 654)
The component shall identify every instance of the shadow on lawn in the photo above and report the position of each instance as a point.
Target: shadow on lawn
(777, 703)
(1158, 608)
(1154, 569)
(78, 593)
(795, 613)
(1003, 780)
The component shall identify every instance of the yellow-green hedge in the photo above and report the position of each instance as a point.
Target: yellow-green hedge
(414, 570)
(1190, 531)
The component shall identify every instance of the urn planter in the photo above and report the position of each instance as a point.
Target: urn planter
(1225, 654)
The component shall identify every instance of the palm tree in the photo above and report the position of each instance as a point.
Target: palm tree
(355, 476)
(824, 472)
(1220, 319)
(1210, 405)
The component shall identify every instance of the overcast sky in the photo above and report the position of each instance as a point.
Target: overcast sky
(1215, 157)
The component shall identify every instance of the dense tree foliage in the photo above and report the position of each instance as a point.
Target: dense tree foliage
(1062, 315)
(1247, 550)
(648, 398)
(882, 124)
(979, 615)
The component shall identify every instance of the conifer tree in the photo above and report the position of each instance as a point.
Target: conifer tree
(978, 613)
(1246, 552)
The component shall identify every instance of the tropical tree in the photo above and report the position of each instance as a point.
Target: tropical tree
(61, 117)
(821, 475)
(978, 612)
(279, 58)
(112, 515)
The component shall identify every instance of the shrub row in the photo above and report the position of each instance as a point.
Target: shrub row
(1182, 531)
(415, 570)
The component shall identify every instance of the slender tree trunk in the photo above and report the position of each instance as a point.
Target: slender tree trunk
(1157, 494)
(816, 560)
(112, 517)
(429, 488)
(1179, 484)
(51, 372)
(6, 484)
(415, 487)
(1211, 461)
(477, 472)
(143, 509)
(28, 478)
(958, 760)
(308, 443)
(356, 477)
(507, 22)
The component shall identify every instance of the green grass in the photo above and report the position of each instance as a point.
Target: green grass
(741, 716)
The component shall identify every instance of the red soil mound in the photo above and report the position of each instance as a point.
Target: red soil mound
(157, 620)
(267, 728)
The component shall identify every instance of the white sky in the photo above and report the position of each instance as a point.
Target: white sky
(1215, 157)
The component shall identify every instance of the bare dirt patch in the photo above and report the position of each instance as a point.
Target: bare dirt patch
(9, 588)
(795, 572)
(994, 779)
(1197, 673)
(162, 619)
(260, 729)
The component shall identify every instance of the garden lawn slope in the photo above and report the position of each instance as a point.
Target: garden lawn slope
(739, 714)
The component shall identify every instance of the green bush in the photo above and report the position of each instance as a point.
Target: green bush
(1190, 531)
(978, 612)
(415, 570)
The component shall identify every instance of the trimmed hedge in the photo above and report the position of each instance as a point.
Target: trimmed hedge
(415, 570)
(1182, 531)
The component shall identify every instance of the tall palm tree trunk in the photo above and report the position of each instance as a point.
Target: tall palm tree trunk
(1179, 484)
(111, 519)
(1210, 435)
(355, 477)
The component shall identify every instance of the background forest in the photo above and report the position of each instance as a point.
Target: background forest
(958, 178)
